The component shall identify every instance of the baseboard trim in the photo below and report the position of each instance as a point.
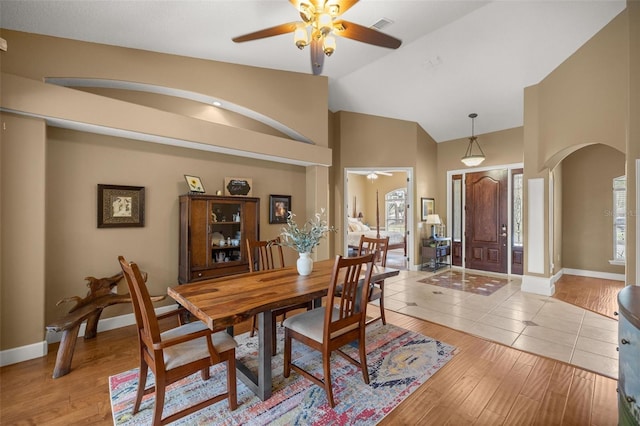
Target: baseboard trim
(23, 353)
(544, 286)
(40, 349)
(594, 274)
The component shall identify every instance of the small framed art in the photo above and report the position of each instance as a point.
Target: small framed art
(279, 207)
(195, 184)
(120, 206)
(428, 207)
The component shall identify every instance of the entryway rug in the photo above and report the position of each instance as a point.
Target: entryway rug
(465, 281)
(399, 361)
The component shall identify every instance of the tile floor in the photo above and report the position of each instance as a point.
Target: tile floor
(533, 323)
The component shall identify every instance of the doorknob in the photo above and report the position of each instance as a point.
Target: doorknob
(504, 230)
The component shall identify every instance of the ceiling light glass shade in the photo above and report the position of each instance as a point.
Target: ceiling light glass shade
(325, 23)
(329, 45)
(372, 176)
(470, 158)
(300, 36)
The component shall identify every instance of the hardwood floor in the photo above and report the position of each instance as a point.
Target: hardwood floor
(485, 383)
(594, 294)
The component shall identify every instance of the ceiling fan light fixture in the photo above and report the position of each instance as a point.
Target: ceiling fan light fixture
(372, 176)
(324, 23)
(329, 45)
(300, 36)
(470, 158)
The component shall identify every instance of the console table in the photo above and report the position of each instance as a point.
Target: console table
(435, 253)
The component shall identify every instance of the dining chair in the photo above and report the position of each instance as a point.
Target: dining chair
(176, 353)
(379, 247)
(340, 321)
(266, 255)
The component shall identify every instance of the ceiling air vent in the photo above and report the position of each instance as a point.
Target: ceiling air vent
(383, 22)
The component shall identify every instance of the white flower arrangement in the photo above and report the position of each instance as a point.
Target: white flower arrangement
(304, 239)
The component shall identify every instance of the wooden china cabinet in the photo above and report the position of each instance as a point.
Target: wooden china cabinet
(212, 234)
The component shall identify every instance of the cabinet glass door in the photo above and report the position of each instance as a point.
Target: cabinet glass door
(225, 232)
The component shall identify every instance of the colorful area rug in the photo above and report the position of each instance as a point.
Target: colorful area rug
(464, 281)
(399, 362)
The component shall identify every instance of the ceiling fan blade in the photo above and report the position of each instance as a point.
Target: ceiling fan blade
(267, 32)
(343, 4)
(383, 173)
(317, 57)
(366, 35)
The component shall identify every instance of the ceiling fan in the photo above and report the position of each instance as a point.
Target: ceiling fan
(320, 21)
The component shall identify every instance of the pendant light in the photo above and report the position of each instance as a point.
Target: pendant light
(470, 159)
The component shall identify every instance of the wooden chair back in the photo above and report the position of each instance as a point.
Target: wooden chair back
(378, 246)
(146, 321)
(350, 299)
(265, 255)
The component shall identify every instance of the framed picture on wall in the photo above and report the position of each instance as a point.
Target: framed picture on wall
(195, 184)
(428, 207)
(120, 206)
(279, 207)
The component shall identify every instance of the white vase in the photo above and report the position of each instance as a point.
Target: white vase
(304, 264)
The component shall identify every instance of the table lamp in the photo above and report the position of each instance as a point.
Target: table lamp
(433, 219)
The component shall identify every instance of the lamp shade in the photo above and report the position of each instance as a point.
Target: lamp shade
(433, 219)
(472, 158)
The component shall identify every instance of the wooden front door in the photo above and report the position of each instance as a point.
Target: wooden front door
(486, 221)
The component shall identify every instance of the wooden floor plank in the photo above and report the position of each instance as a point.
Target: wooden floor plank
(523, 411)
(538, 380)
(595, 294)
(604, 397)
(579, 401)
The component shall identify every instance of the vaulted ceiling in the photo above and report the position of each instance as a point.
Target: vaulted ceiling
(456, 57)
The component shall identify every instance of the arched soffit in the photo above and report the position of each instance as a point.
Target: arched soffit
(556, 158)
(185, 94)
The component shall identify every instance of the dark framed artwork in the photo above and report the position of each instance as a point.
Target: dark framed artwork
(428, 207)
(279, 207)
(120, 206)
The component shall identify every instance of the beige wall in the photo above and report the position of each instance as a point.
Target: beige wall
(363, 140)
(76, 248)
(558, 223)
(259, 89)
(586, 100)
(426, 185)
(22, 283)
(633, 144)
(587, 204)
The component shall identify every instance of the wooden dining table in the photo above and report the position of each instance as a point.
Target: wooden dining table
(224, 302)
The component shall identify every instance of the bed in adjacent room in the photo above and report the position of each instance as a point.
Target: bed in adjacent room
(357, 228)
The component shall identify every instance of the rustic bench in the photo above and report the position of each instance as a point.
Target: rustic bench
(87, 309)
